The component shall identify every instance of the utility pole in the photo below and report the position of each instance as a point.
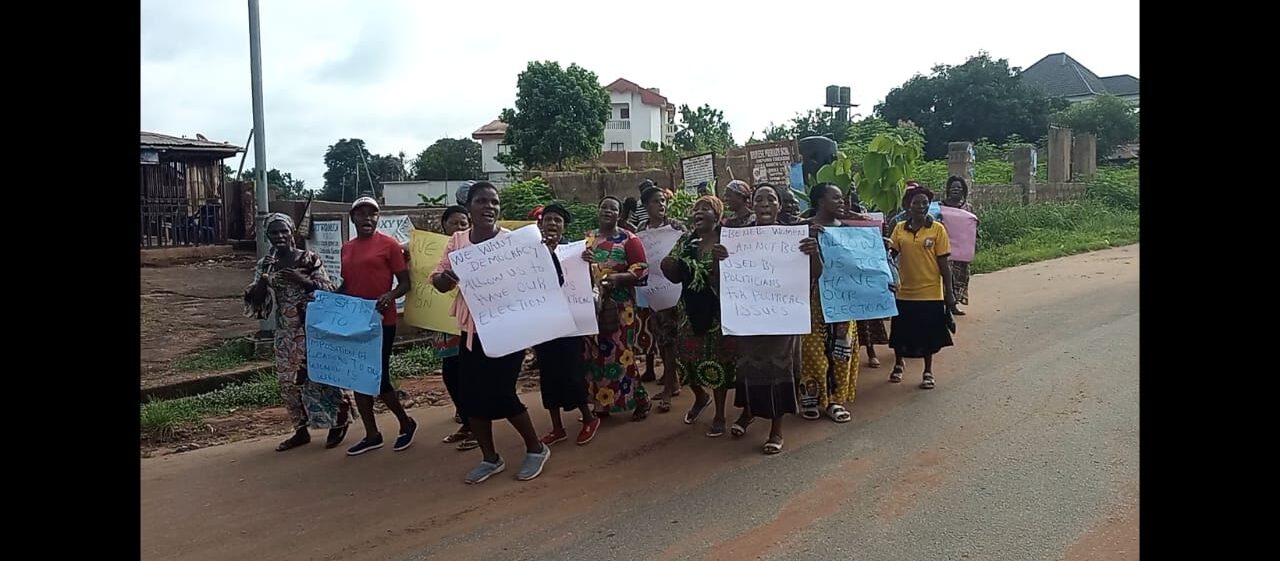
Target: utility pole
(259, 142)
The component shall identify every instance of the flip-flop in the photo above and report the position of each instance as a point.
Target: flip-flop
(696, 411)
(771, 448)
(716, 430)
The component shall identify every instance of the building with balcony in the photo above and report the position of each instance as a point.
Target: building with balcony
(637, 114)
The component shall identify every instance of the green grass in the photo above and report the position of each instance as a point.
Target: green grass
(1108, 216)
(227, 355)
(161, 418)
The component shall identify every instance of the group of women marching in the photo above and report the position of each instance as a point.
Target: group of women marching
(599, 376)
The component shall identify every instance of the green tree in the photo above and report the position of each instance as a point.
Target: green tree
(1113, 120)
(353, 171)
(703, 130)
(280, 184)
(448, 158)
(559, 116)
(815, 122)
(982, 98)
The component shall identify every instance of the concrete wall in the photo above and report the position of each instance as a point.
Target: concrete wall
(405, 193)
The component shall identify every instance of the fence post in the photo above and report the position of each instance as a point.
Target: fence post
(960, 162)
(1024, 172)
(1084, 156)
(1059, 154)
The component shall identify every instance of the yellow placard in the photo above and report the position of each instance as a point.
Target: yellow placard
(426, 307)
(514, 225)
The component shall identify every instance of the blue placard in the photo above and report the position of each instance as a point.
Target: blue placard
(344, 342)
(855, 276)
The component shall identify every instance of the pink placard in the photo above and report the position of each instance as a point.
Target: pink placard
(962, 229)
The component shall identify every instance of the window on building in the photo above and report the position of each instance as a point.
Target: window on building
(615, 147)
(504, 148)
(624, 113)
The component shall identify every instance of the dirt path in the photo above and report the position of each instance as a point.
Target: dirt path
(1027, 450)
(188, 307)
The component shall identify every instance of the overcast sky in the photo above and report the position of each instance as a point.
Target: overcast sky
(401, 74)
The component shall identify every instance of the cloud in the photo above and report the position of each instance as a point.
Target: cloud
(401, 74)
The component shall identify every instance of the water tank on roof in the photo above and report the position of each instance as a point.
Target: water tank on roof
(833, 96)
(844, 96)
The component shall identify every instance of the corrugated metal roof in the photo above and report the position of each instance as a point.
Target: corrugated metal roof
(156, 141)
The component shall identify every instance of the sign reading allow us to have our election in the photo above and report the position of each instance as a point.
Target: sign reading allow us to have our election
(855, 275)
(512, 290)
(764, 284)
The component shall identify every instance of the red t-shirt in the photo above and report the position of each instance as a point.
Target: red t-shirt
(368, 267)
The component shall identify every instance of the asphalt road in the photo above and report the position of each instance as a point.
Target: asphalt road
(1027, 450)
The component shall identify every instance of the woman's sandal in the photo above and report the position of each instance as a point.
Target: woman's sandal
(298, 439)
(336, 436)
(664, 404)
(771, 448)
(874, 362)
(716, 430)
(927, 383)
(469, 444)
(739, 428)
(457, 437)
(838, 413)
(896, 375)
(642, 411)
(810, 414)
(696, 411)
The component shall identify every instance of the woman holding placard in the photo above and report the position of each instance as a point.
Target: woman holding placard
(704, 356)
(923, 324)
(284, 281)
(768, 365)
(958, 197)
(658, 327)
(561, 375)
(455, 219)
(829, 376)
(370, 262)
(618, 265)
(487, 386)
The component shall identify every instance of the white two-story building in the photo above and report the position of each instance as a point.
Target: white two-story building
(636, 114)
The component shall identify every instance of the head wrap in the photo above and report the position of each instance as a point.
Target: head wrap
(740, 187)
(278, 217)
(716, 204)
(461, 195)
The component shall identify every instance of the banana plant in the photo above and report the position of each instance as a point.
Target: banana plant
(889, 162)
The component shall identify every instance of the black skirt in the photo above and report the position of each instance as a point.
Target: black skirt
(561, 373)
(487, 386)
(920, 328)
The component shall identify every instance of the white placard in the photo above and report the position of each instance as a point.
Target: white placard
(510, 286)
(398, 226)
(764, 284)
(326, 241)
(577, 288)
(658, 292)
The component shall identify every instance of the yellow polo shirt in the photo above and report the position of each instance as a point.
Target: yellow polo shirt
(918, 260)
